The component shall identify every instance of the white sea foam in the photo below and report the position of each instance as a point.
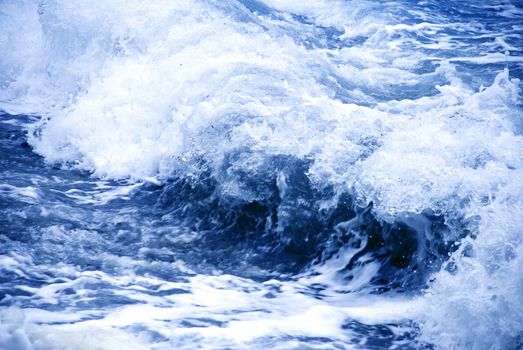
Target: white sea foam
(27, 194)
(225, 311)
(134, 91)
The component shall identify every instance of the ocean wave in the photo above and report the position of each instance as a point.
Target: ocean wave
(377, 146)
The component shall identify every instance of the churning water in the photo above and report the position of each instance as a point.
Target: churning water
(248, 174)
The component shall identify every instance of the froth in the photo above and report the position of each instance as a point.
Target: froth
(149, 91)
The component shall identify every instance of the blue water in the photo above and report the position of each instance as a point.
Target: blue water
(251, 174)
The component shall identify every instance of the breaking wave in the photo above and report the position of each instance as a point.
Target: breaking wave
(327, 174)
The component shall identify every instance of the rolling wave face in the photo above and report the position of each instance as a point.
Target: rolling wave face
(328, 155)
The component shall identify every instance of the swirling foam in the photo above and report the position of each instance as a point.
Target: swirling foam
(134, 91)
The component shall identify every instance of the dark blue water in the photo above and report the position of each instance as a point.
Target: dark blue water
(247, 174)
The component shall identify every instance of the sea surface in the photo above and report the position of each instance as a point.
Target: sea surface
(248, 174)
